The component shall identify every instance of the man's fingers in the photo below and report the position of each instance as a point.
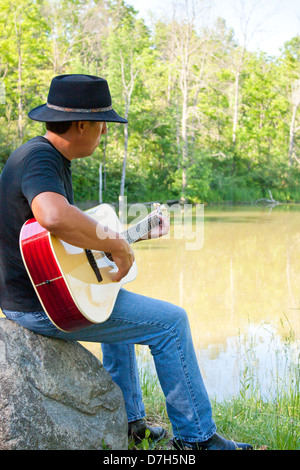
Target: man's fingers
(124, 265)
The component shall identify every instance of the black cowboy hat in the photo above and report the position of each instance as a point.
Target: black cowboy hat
(77, 98)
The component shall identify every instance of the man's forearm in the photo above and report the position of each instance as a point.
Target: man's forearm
(77, 228)
(70, 224)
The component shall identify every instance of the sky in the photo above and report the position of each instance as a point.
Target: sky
(273, 22)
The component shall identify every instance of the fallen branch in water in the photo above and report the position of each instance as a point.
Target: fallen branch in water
(270, 201)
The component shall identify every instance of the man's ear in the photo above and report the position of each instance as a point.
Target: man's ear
(81, 126)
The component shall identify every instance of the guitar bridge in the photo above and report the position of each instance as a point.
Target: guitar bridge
(93, 265)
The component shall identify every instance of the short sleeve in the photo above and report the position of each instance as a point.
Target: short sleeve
(43, 171)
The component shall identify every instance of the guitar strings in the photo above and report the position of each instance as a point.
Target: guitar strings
(132, 234)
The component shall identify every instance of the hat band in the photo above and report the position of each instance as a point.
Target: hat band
(79, 110)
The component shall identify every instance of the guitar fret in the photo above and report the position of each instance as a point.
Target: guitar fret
(128, 238)
(142, 228)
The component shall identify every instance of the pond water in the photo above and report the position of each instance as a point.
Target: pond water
(239, 281)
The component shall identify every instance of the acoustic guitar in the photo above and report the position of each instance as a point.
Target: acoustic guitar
(75, 286)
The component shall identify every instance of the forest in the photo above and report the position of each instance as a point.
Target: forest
(209, 121)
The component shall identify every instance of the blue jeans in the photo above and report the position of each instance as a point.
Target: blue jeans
(162, 326)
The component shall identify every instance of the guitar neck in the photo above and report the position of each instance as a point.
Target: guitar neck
(141, 229)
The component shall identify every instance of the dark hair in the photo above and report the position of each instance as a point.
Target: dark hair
(58, 127)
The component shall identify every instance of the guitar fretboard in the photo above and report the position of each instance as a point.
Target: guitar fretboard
(141, 229)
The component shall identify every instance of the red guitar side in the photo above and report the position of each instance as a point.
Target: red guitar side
(48, 280)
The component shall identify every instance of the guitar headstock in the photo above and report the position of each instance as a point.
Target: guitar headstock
(161, 209)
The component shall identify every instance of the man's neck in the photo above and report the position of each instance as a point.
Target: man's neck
(61, 143)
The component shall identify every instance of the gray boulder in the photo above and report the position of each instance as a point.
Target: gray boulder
(54, 394)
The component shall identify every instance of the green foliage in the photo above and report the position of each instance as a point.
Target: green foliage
(43, 38)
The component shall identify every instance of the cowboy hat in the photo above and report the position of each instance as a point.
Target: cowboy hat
(77, 97)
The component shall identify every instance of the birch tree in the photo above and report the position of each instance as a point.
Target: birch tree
(67, 22)
(129, 51)
(23, 48)
(295, 101)
(127, 93)
(291, 71)
(246, 14)
(188, 49)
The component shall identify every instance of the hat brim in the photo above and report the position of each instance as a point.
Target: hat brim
(44, 114)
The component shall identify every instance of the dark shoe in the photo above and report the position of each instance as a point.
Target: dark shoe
(216, 442)
(137, 430)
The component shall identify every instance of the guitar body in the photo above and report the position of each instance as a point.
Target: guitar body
(73, 293)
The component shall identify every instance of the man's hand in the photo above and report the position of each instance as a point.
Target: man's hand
(160, 230)
(123, 256)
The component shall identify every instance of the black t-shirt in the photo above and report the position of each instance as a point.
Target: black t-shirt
(33, 168)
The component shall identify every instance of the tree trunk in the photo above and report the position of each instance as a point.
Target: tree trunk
(236, 105)
(292, 135)
(19, 85)
(123, 176)
(128, 88)
(296, 104)
(184, 135)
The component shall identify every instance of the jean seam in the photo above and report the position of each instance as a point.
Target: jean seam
(193, 441)
(188, 383)
(134, 397)
(13, 313)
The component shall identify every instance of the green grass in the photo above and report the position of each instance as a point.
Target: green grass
(267, 423)
(272, 425)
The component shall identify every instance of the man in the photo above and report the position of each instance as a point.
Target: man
(36, 182)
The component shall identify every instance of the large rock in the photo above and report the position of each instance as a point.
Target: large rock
(54, 394)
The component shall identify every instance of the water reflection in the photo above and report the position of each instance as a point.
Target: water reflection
(247, 273)
(258, 361)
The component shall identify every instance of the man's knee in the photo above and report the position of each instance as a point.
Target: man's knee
(180, 317)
